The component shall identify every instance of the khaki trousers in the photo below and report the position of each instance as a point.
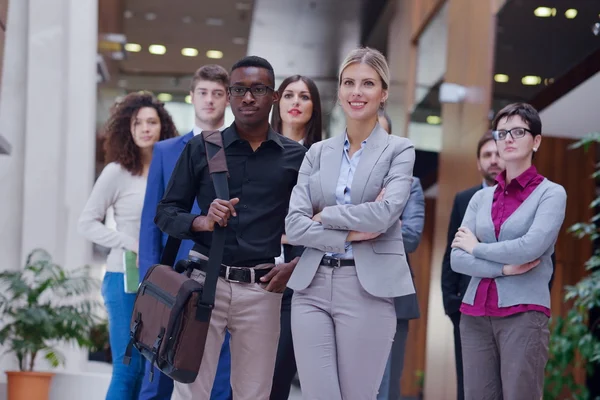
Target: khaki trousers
(251, 314)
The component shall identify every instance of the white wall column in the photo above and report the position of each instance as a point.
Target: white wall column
(47, 112)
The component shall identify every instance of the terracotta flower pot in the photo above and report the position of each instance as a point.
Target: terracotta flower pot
(24, 385)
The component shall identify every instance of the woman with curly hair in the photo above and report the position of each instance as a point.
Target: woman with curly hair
(136, 123)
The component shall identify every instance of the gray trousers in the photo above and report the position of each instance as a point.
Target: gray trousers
(342, 336)
(504, 357)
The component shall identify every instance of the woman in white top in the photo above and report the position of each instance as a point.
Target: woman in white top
(136, 123)
(298, 116)
(345, 211)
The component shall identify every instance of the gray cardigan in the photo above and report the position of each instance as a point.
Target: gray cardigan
(527, 235)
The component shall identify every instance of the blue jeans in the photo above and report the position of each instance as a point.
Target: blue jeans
(126, 379)
(161, 387)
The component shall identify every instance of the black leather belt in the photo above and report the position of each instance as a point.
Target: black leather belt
(234, 274)
(337, 262)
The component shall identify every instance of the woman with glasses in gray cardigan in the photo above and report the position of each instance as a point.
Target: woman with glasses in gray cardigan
(505, 244)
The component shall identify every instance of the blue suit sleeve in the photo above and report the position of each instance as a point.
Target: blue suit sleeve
(150, 236)
(413, 217)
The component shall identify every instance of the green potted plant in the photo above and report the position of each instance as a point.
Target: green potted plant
(41, 306)
(420, 376)
(573, 339)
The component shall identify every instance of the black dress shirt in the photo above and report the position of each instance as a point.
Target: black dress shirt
(263, 181)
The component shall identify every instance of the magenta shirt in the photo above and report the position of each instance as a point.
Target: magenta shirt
(507, 198)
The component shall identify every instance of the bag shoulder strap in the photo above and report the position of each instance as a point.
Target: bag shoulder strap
(217, 167)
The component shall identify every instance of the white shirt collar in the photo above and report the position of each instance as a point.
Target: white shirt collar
(198, 130)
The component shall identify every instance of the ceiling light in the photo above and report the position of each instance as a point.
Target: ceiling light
(150, 16)
(501, 78)
(133, 47)
(434, 120)
(214, 21)
(548, 81)
(571, 13)
(128, 14)
(214, 54)
(187, 19)
(239, 40)
(157, 49)
(188, 99)
(189, 52)
(543, 12)
(164, 97)
(531, 80)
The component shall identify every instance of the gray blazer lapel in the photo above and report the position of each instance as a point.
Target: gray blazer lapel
(375, 145)
(331, 161)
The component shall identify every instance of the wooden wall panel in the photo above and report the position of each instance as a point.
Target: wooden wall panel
(422, 12)
(420, 261)
(470, 51)
(571, 169)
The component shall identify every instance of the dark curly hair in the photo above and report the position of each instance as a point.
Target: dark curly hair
(119, 145)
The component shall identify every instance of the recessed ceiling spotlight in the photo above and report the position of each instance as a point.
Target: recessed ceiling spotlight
(157, 49)
(150, 16)
(164, 97)
(434, 120)
(128, 14)
(239, 40)
(189, 52)
(188, 99)
(214, 54)
(571, 13)
(187, 19)
(133, 47)
(544, 12)
(501, 78)
(214, 21)
(531, 80)
(243, 6)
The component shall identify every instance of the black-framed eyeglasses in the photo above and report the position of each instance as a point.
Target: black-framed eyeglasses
(515, 133)
(257, 91)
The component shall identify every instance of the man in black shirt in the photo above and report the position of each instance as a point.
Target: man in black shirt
(263, 169)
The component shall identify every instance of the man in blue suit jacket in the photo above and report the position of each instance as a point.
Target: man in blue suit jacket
(209, 97)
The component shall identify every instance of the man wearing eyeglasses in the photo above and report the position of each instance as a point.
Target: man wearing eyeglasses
(263, 169)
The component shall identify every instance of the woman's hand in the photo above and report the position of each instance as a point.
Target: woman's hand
(284, 239)
(519, 269)
(465, 239)
(354, 236)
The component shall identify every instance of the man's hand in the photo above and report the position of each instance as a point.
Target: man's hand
(465, 239)
(219, 212)
(519, 269)
(279, 276)
(284, 239)
(355, 236)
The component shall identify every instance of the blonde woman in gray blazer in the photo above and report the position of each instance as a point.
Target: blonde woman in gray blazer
(345, 211)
